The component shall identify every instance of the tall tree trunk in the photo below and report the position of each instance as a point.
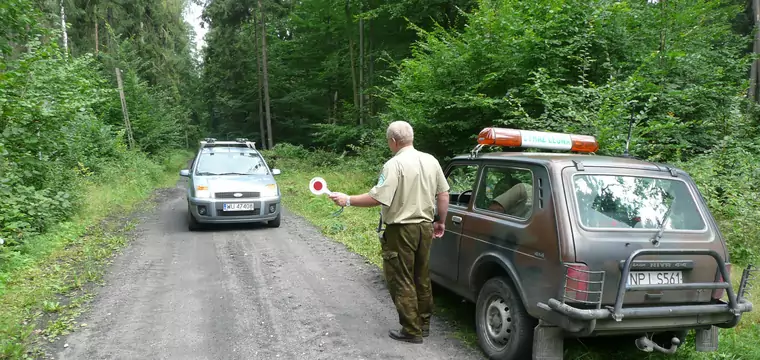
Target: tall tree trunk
(371, 71)
(124, 111)
(97, 48)
(259, 85)
(753, 78)
(361, 65)
(95, 12)
(109, 17)
(335, 107)
(351, 53)
(265, 75)
(662, 31)
(65, 33)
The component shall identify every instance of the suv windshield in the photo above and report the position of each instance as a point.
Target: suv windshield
(231, 163)
(630, 202)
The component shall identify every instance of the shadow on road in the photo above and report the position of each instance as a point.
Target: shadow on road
(460, 313)
(231, 227)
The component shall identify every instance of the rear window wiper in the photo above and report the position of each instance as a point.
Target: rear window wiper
(661, 227)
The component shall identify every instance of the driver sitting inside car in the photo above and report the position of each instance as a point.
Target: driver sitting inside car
(517, 201)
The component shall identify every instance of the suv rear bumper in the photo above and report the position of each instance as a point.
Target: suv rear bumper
(720, 313)
(720, 307)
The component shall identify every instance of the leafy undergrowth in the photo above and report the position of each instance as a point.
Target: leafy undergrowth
(44, 282)
(356, 228)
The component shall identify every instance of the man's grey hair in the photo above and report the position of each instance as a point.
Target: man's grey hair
(400, 131)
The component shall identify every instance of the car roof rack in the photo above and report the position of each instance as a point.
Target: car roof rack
(212, 142)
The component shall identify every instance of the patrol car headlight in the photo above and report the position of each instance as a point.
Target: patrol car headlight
(269, 190)
(201, 191)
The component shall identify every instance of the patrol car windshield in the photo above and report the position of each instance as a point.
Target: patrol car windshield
(231, 163)
(630, 202)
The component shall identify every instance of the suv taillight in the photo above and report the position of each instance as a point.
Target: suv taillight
(576, 286)
(717, 294)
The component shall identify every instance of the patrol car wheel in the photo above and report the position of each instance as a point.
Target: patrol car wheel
(504, 328)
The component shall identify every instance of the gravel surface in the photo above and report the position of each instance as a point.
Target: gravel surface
(244, 293)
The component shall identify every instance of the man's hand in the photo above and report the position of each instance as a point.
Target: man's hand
(438, 229)
(339, 199)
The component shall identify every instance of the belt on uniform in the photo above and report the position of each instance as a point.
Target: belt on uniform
(399, 224)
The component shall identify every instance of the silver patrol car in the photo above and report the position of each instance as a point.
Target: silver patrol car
(230, 182)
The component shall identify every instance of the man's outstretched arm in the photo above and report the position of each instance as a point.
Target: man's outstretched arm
(380, 194)
(363, 200)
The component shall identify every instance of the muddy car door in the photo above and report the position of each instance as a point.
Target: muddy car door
(513, 220)
(444, 253)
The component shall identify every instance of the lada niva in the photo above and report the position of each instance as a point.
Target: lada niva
(568, 243)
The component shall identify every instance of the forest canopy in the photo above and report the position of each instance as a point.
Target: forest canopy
(332, 73)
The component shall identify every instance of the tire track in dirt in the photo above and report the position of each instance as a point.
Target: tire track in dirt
(247, 292)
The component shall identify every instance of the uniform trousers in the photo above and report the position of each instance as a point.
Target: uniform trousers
(406, 255)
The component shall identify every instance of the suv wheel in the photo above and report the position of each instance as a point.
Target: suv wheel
(504, 328)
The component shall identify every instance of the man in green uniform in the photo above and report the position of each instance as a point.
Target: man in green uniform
(407, 190)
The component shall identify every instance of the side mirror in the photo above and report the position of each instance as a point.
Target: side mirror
(276, 172)
(185, 173)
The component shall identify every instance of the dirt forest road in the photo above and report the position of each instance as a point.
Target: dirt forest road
(243, 293)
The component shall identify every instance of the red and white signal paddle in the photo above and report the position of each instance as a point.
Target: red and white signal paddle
(318, 186)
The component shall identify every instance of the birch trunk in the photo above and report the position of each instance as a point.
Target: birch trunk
(63, 30)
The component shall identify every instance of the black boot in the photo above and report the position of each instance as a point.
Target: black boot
(402, 335)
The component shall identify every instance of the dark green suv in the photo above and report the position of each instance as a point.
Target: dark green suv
(572, 244)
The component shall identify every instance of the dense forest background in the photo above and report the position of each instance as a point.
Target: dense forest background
(97, 96)
(61, 117)
(327, 75)
(331, 73)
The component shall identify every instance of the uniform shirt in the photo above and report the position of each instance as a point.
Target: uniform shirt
(407, 187)
(517, 201)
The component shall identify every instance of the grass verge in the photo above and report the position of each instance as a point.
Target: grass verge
(355, 228)
(44, 284)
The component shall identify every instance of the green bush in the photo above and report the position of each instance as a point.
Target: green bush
(727, 179)
(50, 135)
(61, 123)
(581, 66)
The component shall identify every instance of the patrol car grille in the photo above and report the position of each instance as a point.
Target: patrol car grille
(231, 195)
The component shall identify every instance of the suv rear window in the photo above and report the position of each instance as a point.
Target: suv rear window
(631, 202)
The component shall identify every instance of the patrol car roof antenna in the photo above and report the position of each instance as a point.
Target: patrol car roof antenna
(630, 130)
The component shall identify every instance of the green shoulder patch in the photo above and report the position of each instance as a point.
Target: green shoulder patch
(380, 180)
